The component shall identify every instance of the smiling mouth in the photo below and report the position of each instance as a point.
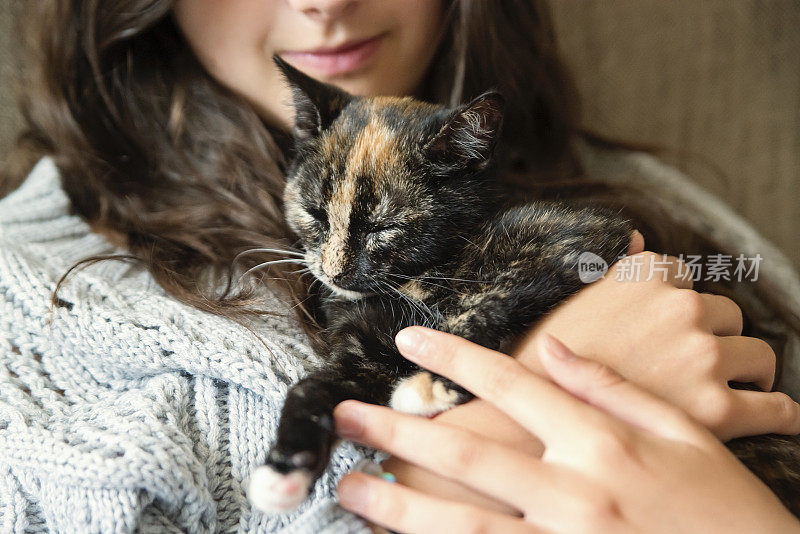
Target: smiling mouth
(344, 59)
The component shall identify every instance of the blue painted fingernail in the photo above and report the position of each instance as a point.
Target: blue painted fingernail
(375, 470)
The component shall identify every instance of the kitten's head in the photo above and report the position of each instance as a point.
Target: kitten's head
(381, 188)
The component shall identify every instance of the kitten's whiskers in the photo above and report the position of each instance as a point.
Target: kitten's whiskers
(428, 316)
(417, 279)
(454, 279)
(272, 250)
(271, 263)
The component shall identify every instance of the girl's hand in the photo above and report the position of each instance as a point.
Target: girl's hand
(681, 345)
(617, 458)
(659, 334)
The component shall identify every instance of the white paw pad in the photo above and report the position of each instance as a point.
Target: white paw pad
(270, 491)
(421, 395)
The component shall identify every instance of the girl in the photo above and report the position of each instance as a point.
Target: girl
(148, 392)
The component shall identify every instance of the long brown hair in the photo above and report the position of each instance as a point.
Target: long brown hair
(154, 149)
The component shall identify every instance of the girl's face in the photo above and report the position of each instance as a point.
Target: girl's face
(368, 47)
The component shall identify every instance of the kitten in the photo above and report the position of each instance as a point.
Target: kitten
(393, 201)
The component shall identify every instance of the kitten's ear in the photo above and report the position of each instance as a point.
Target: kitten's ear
(316, 104)
(470, 133)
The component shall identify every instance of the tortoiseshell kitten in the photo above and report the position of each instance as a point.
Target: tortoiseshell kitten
(392, 200)
(393, 203)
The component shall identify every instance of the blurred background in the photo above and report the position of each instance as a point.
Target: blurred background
(715, 81)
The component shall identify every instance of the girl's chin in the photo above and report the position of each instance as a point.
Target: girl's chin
(363, 84)
(377, 80)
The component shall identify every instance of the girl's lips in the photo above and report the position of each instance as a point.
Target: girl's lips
(334, 61)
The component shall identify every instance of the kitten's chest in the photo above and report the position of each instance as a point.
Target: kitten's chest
(481, 310)
(418, 290)
(451, 302)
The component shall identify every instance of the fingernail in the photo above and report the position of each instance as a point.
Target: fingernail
(558, 349)
(353, 493)
(374, 470)
(409, 340)
(349, 419)
(636, 244)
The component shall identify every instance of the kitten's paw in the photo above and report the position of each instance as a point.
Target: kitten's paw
(424, 394)
(283, 484)
(273, 492)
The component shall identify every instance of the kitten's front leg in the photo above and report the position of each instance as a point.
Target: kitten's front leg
(364, 365)
(306, 432)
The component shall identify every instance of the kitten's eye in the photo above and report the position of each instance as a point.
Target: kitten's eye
(319, 215)
(380, 228)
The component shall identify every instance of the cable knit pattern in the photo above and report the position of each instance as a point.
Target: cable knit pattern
(124, 410)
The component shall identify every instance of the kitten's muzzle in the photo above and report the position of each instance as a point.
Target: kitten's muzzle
(350, 281)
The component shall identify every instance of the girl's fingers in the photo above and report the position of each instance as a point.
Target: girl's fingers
(604, 388)
(637, 243)
(723, 316)
(761, 413)
(401, 509)
(489, 467)
(747, 359)
(544, 409)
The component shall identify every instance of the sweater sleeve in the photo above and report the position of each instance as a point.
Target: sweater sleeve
(124, 410)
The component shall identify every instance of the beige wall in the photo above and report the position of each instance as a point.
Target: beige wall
(720, 78)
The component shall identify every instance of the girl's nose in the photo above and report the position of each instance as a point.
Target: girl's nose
(323, 10)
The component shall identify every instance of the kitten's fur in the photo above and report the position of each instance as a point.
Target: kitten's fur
(392, 199)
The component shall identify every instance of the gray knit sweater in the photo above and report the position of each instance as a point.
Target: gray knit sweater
(123, 410)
